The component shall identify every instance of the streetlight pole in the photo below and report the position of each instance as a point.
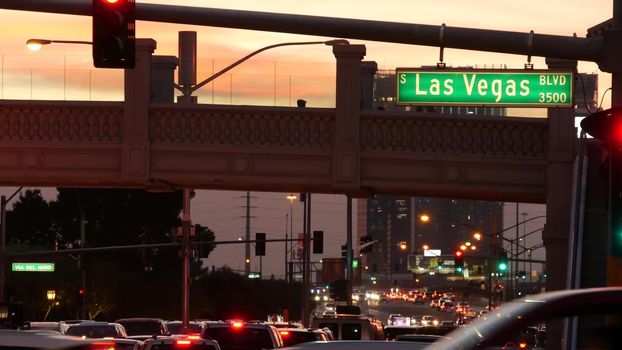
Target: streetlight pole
(3, 259)
(188, 90)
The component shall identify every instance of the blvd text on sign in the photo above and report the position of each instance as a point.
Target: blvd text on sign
(468, 87)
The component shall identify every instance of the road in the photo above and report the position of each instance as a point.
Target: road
(382, 310)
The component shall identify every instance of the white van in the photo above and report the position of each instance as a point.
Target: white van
(350, 327)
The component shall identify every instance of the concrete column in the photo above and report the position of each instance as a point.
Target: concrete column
(559, 174)
(368, 71)
(347, 154)
(163, 78)
(135, 147)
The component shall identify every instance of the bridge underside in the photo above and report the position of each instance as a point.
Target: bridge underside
(79, 144)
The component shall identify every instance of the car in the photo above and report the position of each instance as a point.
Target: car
(97, 330)
(447, 323)
(20, 340)
(392, 317)
(194, 327)
(592, 306)
(144, 328)
(351, 327)
(124, 344)
(293, 336)
(391, 332)
(461, 308)
(240, 335)
(360, 345)
(60, 327)
(285, 324)
(429, 320)
(416, 320)
(176, 342)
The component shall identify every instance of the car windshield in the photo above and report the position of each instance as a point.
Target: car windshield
(92, 331)
(141, 328)
(230, 338)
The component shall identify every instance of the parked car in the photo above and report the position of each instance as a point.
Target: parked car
(144, 328)
(235, 335)
(97, 330)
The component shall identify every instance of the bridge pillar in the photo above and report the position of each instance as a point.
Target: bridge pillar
(135, 146)
(562, 141)
(368, 70)
(347, 150)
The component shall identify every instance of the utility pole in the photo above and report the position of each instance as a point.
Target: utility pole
(186, 252)
(83, 312)
(350, 253)
(306, 259)
(285, 275)
(247, 247)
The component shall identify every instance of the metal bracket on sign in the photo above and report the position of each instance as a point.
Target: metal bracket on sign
(441, 37)
(529, 65)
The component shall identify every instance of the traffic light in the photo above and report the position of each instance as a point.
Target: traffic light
(606, 125)
(114, 41)
(318, 242)
(344, 251)
(502, 262)
(522, 275)
(369, 248)
(355, 263)
(260, 244)
(459, 260)
(82, 292)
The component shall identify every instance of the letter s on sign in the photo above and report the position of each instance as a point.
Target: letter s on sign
(402, 78)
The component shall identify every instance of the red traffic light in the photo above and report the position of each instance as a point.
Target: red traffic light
(605, 125)
(82, 292)
(459, 253)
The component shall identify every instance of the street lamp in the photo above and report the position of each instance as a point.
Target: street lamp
(188, 90)
(477, 236)
(424, 217)
(51, 295)
(36, 44)
(425, 247)
(291, 198)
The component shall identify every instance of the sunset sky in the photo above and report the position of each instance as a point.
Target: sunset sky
(275, 77)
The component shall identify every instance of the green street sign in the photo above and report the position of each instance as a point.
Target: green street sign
(475, 87)
(32, 267)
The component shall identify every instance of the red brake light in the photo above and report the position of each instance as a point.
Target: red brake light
(111, 2)
(195, 336)
(183, 342)
(284, 333)
(237, 324)
(99, 345)
(522, 345)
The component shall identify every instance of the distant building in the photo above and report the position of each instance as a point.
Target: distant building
(395, 220)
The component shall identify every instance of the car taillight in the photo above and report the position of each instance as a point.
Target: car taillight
(284, 333)
(237, 324)
(522, 345)
(183, 342)
(100, 345)
(194, 336)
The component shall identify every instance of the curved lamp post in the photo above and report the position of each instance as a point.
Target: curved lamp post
(188, 90)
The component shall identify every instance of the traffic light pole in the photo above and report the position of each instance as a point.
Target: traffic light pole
(349, 252)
